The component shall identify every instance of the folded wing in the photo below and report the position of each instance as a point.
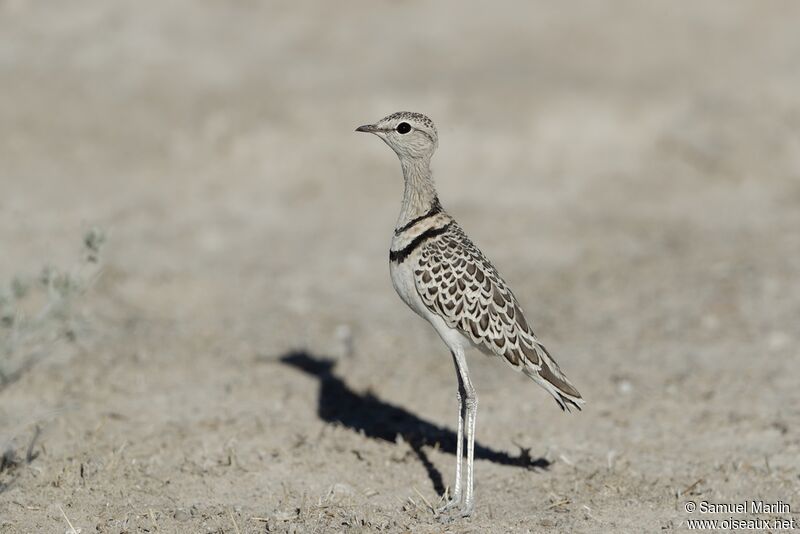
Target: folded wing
(457, 282)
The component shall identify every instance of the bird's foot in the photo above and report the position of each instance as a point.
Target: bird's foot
(453, 509)
(468, 508)
(449, 505)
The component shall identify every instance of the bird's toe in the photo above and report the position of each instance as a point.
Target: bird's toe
(450, 504)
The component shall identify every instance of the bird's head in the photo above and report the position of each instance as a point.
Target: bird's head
(410, 135)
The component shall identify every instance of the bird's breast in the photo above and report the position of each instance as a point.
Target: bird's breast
(403, 281)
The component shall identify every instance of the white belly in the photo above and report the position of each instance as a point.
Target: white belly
(403, 281)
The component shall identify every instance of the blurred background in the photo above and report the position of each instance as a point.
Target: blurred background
(184, 205)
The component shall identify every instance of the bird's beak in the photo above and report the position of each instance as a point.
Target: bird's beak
(368, 128)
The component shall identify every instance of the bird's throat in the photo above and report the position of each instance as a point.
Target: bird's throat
(420, 193)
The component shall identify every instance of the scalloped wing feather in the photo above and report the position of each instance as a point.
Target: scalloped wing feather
(457, 282)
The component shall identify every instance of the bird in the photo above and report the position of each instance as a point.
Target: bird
(444, 278)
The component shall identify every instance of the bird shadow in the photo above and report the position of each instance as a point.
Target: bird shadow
(367, 414)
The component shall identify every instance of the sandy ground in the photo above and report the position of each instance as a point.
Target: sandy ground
(243, 364)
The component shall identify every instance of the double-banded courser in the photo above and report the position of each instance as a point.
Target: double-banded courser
(441, 275)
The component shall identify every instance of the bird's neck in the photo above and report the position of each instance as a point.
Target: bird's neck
(419, 196)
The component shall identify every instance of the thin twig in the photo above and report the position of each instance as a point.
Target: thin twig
(153, 519)
(67, 520)
(557, 504)
(235, 526)
(421, 496)
(693, 486)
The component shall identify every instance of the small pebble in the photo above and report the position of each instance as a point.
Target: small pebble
(181, 515)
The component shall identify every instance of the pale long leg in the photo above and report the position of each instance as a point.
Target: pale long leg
(470, 403)
(455, 498)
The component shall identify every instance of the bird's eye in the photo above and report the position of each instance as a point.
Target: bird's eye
(403, 128)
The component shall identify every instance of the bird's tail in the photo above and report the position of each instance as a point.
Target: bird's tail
(549, 376)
